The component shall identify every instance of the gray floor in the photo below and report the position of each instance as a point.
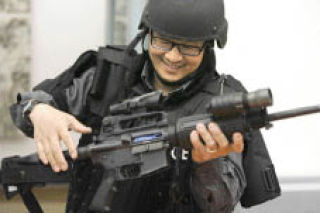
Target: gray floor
(291, 202)
(288, 202)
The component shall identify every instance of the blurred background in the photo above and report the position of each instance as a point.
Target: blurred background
(271, 43)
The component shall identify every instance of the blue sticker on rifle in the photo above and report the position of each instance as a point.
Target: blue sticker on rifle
(145, 138)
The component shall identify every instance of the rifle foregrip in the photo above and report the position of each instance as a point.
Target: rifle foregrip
(103, 197)
(186, 125)
(229, 127)
(84, 152)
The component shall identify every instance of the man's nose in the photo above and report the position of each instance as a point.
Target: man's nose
(174, 55)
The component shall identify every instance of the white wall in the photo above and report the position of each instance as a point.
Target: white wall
(135, 8)
(62, 30)
(276, 44)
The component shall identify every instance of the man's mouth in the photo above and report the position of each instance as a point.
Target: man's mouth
(172, 67)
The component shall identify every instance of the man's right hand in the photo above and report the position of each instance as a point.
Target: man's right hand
(50, 127)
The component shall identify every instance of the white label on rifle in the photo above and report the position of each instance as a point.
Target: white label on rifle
(184, 154)
(12, 188)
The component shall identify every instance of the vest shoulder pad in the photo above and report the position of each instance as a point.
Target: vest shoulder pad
(112, 53)
(116, 67)
(234, 83)
(220, 84)
(113, 60)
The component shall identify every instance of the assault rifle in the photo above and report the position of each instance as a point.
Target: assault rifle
(134, 139)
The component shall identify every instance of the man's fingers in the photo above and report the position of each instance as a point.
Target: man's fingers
(237, 145)
(41, 153)
(68, 141)
(218, 136)
(49, 156)
(78, 127)
(195, 140)
(204, 152)
(56, 152)
(52, 162)
(206, 136)
(40, 148)
(63, 165)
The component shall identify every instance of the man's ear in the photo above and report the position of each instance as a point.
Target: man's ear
(145, 42)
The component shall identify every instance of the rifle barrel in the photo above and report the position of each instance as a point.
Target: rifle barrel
(294, 113)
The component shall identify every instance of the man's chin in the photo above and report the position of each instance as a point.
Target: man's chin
(168, 77)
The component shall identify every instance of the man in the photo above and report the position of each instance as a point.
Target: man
(178, 60)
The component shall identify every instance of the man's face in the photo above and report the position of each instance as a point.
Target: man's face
(171, 64)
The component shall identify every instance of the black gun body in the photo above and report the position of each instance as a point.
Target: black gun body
(134, 140)
(123, 164)
(127, 147)
(180, 133)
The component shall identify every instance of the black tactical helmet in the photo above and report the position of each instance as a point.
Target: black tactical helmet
(191, 20)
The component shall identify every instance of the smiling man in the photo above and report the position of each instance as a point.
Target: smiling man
(175, 61)
(178, 38)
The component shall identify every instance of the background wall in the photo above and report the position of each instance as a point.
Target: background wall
(276, 44)
(271, 43)
(61, 31)
(14, 58)
(53, 34)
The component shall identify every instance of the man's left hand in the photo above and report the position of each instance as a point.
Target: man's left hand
(214, 143)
